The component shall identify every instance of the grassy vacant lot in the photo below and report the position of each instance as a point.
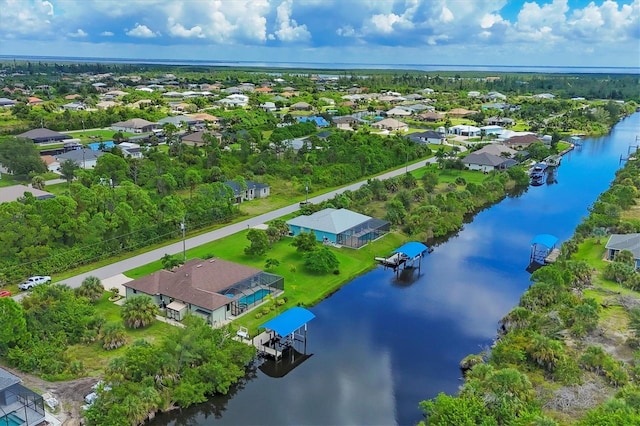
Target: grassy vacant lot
(96, 135)
(94, 357)
(301, 287)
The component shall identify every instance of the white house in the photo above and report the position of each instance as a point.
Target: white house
(465, 130)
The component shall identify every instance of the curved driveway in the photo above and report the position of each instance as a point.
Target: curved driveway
(176, 248)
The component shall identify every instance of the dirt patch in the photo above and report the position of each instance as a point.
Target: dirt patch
(70, 394)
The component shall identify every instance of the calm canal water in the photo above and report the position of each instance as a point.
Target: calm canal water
(380, 347)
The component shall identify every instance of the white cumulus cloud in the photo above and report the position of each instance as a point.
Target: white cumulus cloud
(107, 34)
(178, 30)
(141, 31)
(288, 28)
(79, 33)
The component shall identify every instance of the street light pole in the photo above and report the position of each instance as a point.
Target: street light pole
(184, 247)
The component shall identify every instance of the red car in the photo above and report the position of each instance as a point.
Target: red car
(5, 293)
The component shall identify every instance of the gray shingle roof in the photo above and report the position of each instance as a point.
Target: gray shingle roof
(630, 242)
(330, 220)
(7, 379)
(483, 159)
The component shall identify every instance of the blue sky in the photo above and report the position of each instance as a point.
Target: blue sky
(448, 32)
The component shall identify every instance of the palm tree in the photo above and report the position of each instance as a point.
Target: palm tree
(38, 182)
(545, 352)
(91, 288)
(113, 336)
(139, 311)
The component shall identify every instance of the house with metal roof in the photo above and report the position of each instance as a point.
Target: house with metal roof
(620, 242)
(18, 404)
(341, 227)
(214, 289)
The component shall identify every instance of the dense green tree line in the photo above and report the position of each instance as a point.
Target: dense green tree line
(123, 204)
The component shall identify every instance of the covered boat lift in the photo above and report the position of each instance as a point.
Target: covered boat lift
(404, 256)
(283, 332)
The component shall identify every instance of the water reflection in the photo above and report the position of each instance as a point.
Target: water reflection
(381, 345)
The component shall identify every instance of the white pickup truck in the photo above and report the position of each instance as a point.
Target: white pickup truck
(34, 281)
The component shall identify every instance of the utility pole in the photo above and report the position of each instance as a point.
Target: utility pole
(306, 198)
(184, 247)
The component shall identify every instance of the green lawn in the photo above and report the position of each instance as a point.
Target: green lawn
(98, 135)
(301, 287)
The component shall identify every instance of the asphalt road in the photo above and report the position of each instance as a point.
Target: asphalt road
(176, 248)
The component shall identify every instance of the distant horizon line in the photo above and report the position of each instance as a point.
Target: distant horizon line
(284, 64)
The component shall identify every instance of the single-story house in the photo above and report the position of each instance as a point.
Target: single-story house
(206, 118)
(254, 190)
(492, 129)
(135, 125)
(197, 139)
(43, 135)
(6, 102)
(18, 404)
(619, 242)
(74, 106)
(398, 112)
(428, 137)
(460, 112)
(391, 124)
(84, 158)
(106, 104)
(465, 130)
(269, 106)
(300, 106)
(32, 100)
(522, 141)
(500, 121)
(178, 121)
(130, 149)
(498, 149)
(235, 99)
(431, 116)
(486, 162)
(214, 289)
(340, 226)
(15, 192)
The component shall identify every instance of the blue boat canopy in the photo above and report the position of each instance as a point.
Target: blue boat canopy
(412, 249)
(289, 321)
(546, 240)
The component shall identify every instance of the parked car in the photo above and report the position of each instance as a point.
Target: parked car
(34, 281)
(5, 293)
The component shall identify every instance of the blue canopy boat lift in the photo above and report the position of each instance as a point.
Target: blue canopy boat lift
(544, 250)
(405, 257)
(285, 333)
